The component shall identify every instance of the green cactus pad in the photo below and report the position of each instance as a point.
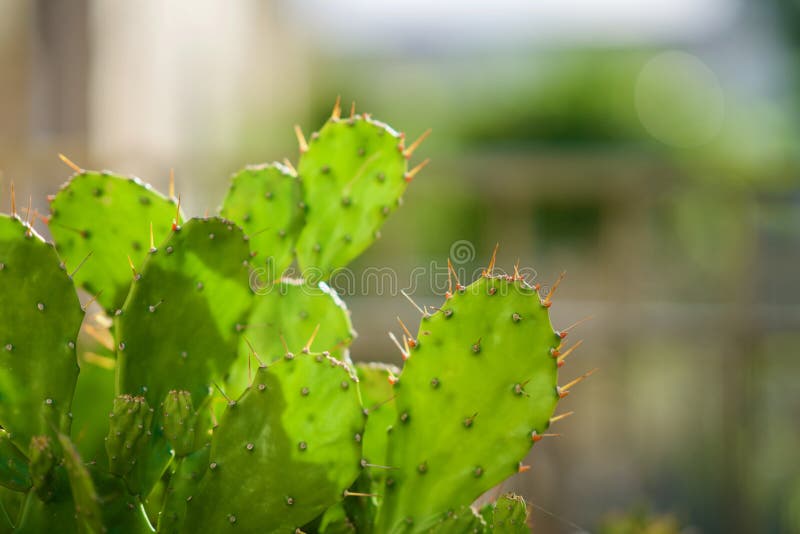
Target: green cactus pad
(292, 310)
(13, 465)
(377, 395)
(183, 483)
(479, 385)
(353, 175)
(39, 322)
(128, 432)
(122, 512)
(109, 217)
(179, 326)
(94, 395)
(509, 515)
(84, 495)
(267, 202)
(301, 422)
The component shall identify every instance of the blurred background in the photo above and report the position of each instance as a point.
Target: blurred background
(650, 149)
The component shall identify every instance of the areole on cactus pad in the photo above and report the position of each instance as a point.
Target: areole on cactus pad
(234, 403)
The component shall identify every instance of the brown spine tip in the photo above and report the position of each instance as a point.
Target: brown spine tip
(407, 153)
(490, 267)
(569, 351)
(301, 139)
(552, 291)
(560, 417)
(409, 176)
(71, 164)
(563, 391)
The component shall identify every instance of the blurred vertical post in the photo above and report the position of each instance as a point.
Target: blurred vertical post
(59, 74)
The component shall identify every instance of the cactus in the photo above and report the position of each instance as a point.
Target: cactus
(354, 173)
(462, 520)
(39, 321)
(377, 395)
(98, 221)
(180, 323)
(218, 408)
(92, 403)
(84, 495)
(179, 421)
(184, 480)
(288, 314)
(509, 514)
(301, 422)
(128, 432)
(266, 201)
(487, 355)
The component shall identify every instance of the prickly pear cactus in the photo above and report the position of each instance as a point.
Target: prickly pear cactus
(354, 172)
(290, 313)
(40, 317)
(187, 473)
(377, 395)
(267, 202)
(508, 515)
(479, 386)
(98, 221)
(179, 326)
(308, 444)
(301, 422)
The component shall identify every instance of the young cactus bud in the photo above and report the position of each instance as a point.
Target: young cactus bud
(128, 432)
(43, 462)
(179, 422)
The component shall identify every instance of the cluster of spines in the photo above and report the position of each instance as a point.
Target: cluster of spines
(336, 116)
